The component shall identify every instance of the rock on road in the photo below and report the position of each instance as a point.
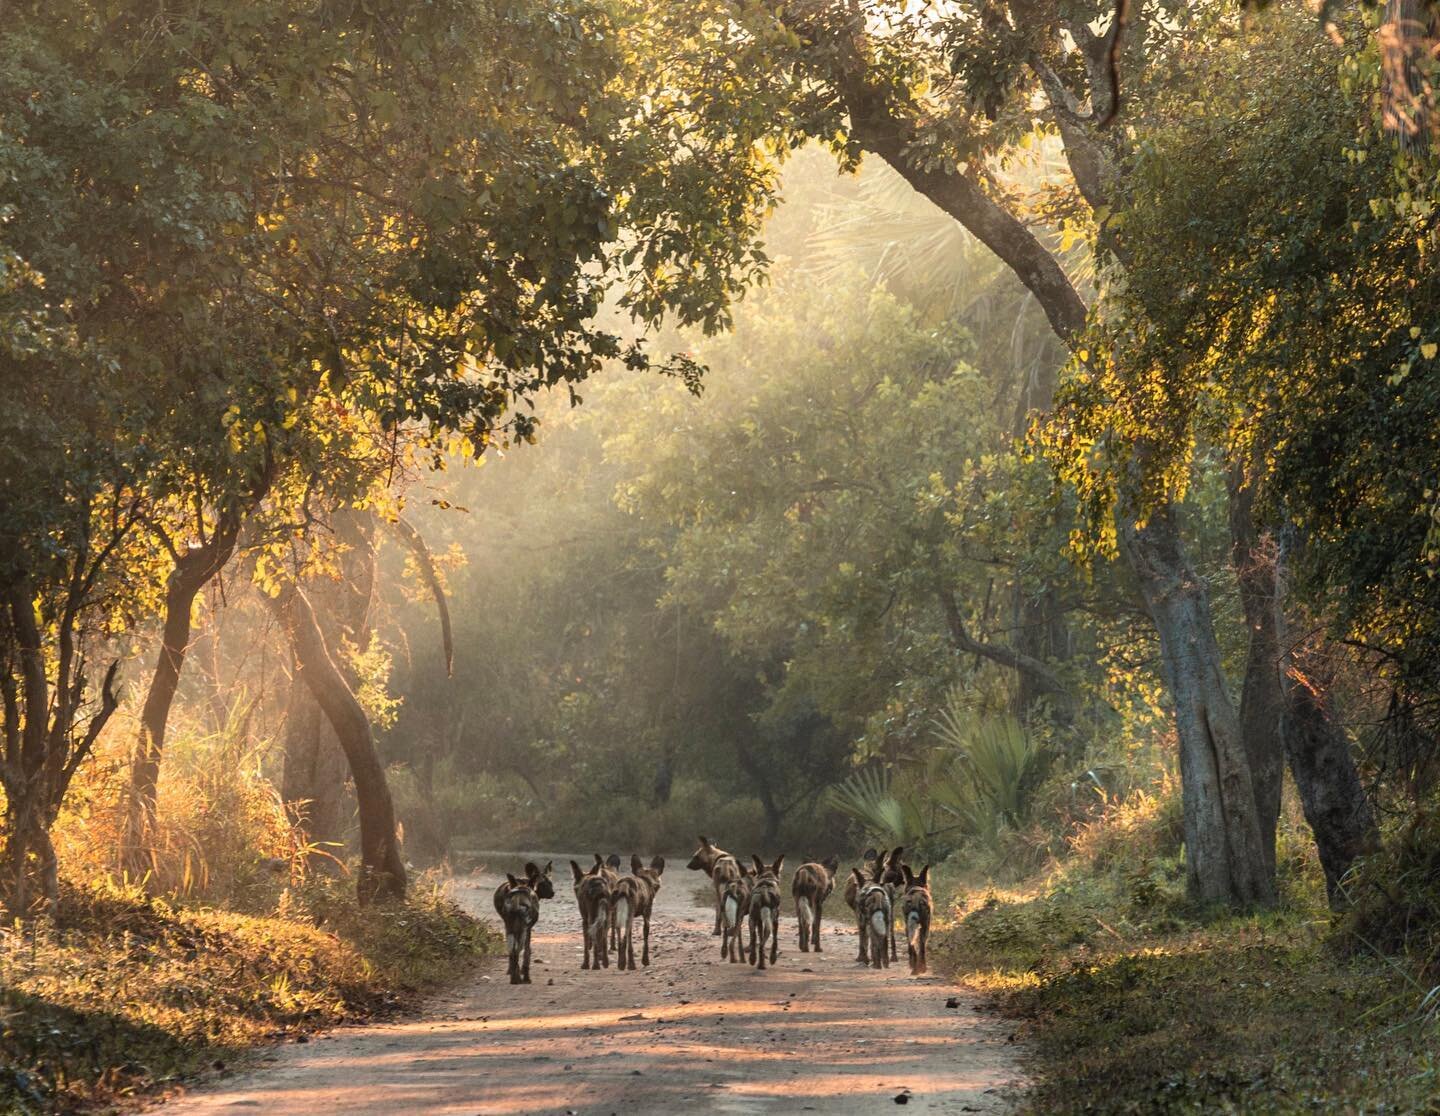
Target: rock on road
(692, 1033)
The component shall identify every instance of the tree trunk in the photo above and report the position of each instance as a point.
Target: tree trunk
(761, 782)
(382, 870)
(192, 571)
(1262, 697)
(315, 764)
(314, 773)
(1286, 712)
(1041, 636)
(1224, 849)
(1335, 803)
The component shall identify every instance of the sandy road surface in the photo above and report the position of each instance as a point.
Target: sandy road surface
(817, 1033)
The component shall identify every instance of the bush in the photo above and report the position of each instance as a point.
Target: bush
(1395, 897)
(221, 831)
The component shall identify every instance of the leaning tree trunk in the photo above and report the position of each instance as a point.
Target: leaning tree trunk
(315, 765)
(1334, 801)
(313, 777)
(382, 870)
(1224, 848)
(191, 572)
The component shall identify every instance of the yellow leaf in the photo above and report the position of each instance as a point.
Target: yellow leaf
(1429, 349)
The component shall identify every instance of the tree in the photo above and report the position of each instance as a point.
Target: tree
(358, 236)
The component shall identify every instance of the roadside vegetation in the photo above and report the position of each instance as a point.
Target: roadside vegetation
(129, 989)
(1130, 998)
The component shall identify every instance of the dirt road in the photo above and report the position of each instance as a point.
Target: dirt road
(817, 1033)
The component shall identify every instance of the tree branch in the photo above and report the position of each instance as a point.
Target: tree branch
(413, 539)
(963, 642)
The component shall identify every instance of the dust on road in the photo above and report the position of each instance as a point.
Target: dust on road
(692, 1033)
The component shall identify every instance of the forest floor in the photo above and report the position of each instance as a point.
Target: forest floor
(690, 1033)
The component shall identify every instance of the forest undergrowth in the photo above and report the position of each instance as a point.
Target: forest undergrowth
(1130, 999)
(133, 988)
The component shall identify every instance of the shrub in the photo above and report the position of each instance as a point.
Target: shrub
(221, 830)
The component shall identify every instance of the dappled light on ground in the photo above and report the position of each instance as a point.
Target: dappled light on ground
(818, 1032)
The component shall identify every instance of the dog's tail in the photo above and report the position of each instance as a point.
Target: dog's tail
(731, 908)
(598, 925)
(804, 915)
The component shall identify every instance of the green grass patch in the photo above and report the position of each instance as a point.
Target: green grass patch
(1130, 1003)
(122, 997)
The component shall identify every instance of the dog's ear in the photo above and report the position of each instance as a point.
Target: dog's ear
(658, 864)
(704, 842)
(613, 860)
(831, 864)
(759, 864)
(575, 868)
(532, 869)
(924, 876)
(779, 860)
(599, 860)
(909, 876)
(549, 867)
(859, 876)
(513, 881)
(895, 856)
(636, 863)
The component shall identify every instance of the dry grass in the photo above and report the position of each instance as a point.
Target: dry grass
(123, 996)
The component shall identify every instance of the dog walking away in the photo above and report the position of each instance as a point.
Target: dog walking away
(632, 897)
(811, 886)
(893, 877)
(735, 912)
(916, 907)
(592, 896)
(765, 911)
(720, 866)
(876, 865)
(873, 911)
(649, 878)
(519, 910)
(539, 880)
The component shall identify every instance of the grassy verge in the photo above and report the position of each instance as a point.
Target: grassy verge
(1132, 1003)
(123, 997)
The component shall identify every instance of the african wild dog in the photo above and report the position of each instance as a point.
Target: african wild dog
(592, 896)
(720, 866)
(872, 906)
(917, 906)
(520, 910)
(810, 887)
(894, 880)
(539, 880)
(735, 911)
(868, 857)
(650, 877)
(884, 869)
(765, 911)
(611, 870)
(633, 897)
